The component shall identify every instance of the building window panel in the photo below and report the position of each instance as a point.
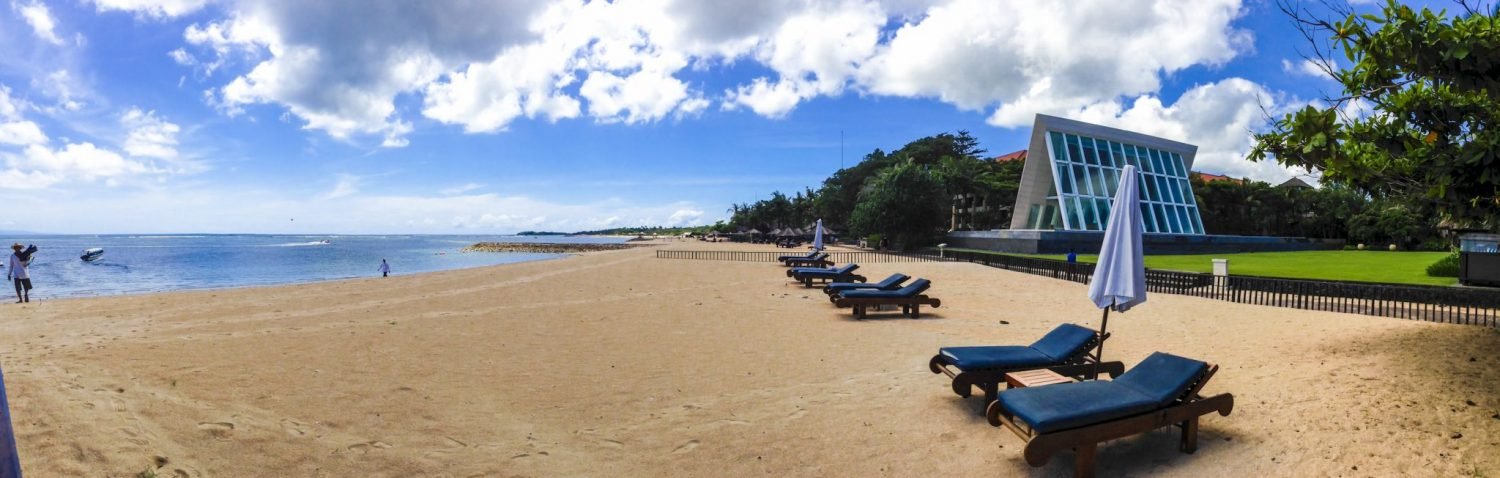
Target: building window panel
(1102, 205)
(1187, 224)
(1181, 165)
(1112, 180)
(1074, 154)
(1187, 191)
(1059, 150)
(1089, 155)
(1090, 218)
(1172, 224)
(1080, 180)
(1161, 218)
(1197, 220)
(1119, 154)
(1147, 223)
(1065, 179)
(1105, 158)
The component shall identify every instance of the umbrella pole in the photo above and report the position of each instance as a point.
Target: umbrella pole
(1103, 327)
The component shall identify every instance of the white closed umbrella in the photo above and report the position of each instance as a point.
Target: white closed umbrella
(1119, 280)
(818, 236)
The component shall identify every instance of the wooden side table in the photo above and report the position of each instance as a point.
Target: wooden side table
(1034, 378)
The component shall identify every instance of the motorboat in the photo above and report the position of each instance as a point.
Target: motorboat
(92, 254)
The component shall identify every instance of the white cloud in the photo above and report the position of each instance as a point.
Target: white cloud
(1305, 68)
(150, 136)
(61, 86)
(684, 217)
(40, 18)
(10, 108)
(461, 189)
(1051, 57)
(346, 185)
(151, 8)
(1220, 118)
(39, 166)
(21, 133)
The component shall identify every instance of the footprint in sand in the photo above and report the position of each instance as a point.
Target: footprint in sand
(613, 443)
(686, 447)
(218, 430)
(368, 446)
(797, 414)
(293, 427)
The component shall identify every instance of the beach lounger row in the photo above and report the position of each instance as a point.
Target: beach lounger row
(817, 259)
(1163, 390)
(808, 275)
(910, 298)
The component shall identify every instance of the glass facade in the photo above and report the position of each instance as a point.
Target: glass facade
(1087, 170)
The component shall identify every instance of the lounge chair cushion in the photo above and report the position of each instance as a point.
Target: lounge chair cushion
(1051, 408)
(887, 284)
(1163, 377)
(993, 357)
(815, 271)
(1064, 342)
(911, 290)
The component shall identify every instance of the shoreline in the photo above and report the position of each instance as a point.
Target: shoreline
(620, 361)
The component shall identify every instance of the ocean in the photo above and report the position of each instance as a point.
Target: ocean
(152, 263)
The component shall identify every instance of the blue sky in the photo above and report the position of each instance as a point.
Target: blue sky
(355, 116)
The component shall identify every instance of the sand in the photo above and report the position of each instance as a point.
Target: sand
(621, 364)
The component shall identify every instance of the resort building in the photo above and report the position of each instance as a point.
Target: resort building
(1070, 177)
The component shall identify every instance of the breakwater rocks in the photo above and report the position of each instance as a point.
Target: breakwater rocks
(544, 248)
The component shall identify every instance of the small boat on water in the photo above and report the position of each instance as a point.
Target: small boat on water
(92, 254)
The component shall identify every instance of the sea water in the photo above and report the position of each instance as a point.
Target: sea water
(153, 263)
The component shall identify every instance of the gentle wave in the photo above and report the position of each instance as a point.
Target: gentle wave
(301, 244)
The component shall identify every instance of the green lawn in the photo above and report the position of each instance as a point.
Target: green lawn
(1364, 266)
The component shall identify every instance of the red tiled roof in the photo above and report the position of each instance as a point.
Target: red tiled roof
(1016, 156)
(1208, 178)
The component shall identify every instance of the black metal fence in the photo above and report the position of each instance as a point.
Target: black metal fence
(1456, 305)
(837, 257)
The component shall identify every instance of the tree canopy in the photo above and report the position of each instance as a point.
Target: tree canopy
(1430, 84)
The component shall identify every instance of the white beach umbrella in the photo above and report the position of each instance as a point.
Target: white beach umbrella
(818, 236)
(1119, 280)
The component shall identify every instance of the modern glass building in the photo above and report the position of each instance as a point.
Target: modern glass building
(1069, 180)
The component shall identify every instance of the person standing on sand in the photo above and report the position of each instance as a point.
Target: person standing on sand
(17, 273)
(385, 269)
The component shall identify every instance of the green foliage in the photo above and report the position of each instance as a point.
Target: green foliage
(1390, 222)
(954, 160)
(905, 202)
(1445, 267)
(1363, 266)
(1434, 85)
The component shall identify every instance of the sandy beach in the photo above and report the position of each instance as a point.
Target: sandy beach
(620, 364)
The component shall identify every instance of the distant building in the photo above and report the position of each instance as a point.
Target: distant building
(966, 206)
(1295, 183)
(1068, 182)
(1213, 178)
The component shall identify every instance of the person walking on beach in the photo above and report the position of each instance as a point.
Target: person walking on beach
(385, 269)
(17, 272)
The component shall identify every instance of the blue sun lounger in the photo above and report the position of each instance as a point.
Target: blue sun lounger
(816, 260)
(1067, 350)
(910, 299)
(1160, 391)
(809, 255)
(890, 283)
(844, 273)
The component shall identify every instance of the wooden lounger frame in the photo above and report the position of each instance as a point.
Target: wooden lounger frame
(909, 305)
(824, 262)
(1080, 366)
(807, 280)
(1085, 440)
